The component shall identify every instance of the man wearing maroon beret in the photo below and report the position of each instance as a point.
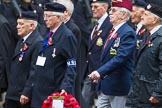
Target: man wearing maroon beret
(117, 59)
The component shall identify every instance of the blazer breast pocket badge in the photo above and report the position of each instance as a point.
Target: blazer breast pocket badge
(113, 51)
(99, 41)
(117, 43)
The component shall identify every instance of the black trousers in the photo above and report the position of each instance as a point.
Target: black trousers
(15, 104)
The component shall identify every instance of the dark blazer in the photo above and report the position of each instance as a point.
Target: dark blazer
(149, 68)
(19, 81)
(96, 44)
(7, 46)
(58, 72)
(75, 30)
(118, 63)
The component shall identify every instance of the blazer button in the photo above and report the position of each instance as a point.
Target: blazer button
(87, 61)
(89, 53)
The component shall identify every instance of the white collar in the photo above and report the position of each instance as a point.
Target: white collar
(118, 26)
(139, 26)
(155, 29)
(25, 37)
(101, 20)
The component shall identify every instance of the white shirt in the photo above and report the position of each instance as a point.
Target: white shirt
(100, 22)
(25, 37)
(139, 26)
(116, 28)
(155, 29)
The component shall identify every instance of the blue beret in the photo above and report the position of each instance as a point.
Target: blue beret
(55, 7)
(155, 9)
(140, 3)
(29, 15)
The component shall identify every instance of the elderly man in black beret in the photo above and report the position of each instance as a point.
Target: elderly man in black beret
(147, 85)
(20, 82)
(56, 64)
(137, 12)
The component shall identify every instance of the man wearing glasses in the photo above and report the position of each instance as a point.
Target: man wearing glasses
(56, 64)
(114, 74)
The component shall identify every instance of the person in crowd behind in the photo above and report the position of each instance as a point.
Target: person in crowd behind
(28, 5)
(69, 22)
(7, 46)
(147, 86)
(82, 17)
(55, 69)
(117, 59)
(96, 40)
(20, 84)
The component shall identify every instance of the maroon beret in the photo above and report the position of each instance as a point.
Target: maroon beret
(122, 3)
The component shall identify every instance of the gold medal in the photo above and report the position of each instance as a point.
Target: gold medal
(113, 51)
(99, 42)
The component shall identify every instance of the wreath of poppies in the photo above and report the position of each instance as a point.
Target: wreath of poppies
(69, 101)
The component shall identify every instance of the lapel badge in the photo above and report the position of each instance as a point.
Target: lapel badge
(54, 52)
(113, 51)
(99, 32)
(99, 41)
(50, 41)
(117, 42)
(22, 51)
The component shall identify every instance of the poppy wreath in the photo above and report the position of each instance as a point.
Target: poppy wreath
(69, 101)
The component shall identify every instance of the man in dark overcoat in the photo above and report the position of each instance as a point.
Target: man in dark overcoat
(147, 85)
(20, 82)
(7, 46)
(117, 59)
(56, 64)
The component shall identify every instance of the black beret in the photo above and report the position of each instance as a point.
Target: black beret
(140, 3)
(55, 7)
(155, 9)
(28, 15)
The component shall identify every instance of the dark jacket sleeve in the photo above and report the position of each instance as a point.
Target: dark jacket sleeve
(70, 54)
(157, 93)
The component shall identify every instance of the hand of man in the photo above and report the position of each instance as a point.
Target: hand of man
(94, 76)
(63, 91)
(153, 100)
(24, 99)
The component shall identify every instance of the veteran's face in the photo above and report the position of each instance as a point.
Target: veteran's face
(115, 15)
(27, 1)
(148, 19)
(98, 9)
(24, 27)
(51, 20)
(136, 14)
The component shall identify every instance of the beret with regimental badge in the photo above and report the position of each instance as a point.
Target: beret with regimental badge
(122, 3)
(155, 9)
(55, 7)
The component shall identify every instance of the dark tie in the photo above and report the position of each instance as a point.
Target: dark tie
(108, 38)
(50, 38)
(95, 30)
